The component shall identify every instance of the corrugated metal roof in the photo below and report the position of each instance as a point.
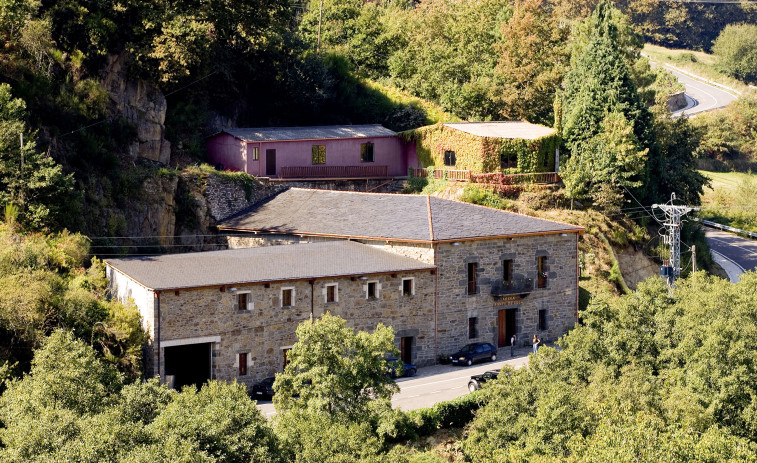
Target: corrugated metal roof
(503, 129)
(261, 264)
(310, 133)
(384, 216)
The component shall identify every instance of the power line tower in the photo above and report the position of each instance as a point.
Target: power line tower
(671, 267)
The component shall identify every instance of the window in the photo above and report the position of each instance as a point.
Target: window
(285, 357)
(366, 152)
(287, 297)
(541, 271)
(331, 293)
(372, 290)
(243, 302)
(408, 288)
(319, 154)
(243, 364)
(449, 158)
(507, 271)
(255, 153)
(472, 327)
(472, 267)
(542, 326)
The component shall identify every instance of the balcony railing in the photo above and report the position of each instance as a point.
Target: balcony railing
(334, 171)
(515, 286)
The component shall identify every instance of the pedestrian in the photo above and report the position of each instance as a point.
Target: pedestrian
(512, 344)
(535, 342)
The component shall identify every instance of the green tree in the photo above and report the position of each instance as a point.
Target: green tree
(334, 370)
(533, 60)
(601, 103)
(736, 50)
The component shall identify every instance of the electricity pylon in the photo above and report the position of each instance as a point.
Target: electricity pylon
(671, 268)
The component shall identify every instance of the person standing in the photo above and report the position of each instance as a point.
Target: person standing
(535, 342)
(513, 340)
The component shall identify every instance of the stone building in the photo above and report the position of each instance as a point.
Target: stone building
(233, 314)
(498, 273)
(442, 273)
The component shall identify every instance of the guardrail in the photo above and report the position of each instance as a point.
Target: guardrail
(726, 228)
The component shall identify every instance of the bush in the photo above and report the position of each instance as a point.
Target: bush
(736, 49)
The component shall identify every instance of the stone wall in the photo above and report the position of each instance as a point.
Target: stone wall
(267, 329)
(455, 305)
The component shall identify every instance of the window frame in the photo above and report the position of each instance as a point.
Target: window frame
(377, 291)
(541, 269)
(411, 281)
(249, 304)
(364, 152)
(326, 293)
(450, 158)
(318, 155)
(472, 327)
(255, 153)
(507, 271)
(472, 278)
(292, 297)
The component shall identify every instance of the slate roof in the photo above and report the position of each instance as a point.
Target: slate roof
(415, 218)
(261, 264)
(504, 129)
(310, 133)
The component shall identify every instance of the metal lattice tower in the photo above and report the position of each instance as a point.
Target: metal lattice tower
(673, 215)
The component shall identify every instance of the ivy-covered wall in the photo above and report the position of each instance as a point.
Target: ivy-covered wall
(482, 154)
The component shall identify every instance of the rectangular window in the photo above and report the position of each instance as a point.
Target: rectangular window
(243, 364)
(472, 327)
(285, 356)
(449, 158)
(366, 152)
(542, 326)
(541, 271)
(244, 302)
(331, 293)
(255, 153)
(372, 290)
(407, 287)
(507, 271)
(319, 154)
(287, 297)
(472, 286)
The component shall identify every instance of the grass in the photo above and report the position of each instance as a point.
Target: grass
(697, 62)
(731, 199)
(434, 113)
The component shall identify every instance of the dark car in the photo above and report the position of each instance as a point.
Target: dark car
(470, 353)
(477, 380)
(263, 389)
(395, 364)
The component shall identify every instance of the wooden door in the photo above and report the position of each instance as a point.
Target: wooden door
(270, 163)
(502, 339)
(406, 349)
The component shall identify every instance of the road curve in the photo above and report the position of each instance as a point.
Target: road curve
(701, 96)
(740, 252)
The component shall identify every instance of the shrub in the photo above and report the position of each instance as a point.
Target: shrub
(736, 49)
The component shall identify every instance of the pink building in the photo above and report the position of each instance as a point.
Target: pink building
(312, 152)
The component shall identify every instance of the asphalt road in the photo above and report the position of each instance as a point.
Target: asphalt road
(436, 383)
(738, 250)
(701, 96)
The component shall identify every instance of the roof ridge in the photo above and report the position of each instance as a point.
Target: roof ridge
(430, 218)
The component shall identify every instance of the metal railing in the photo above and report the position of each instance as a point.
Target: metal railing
(334, 171)
(515, 286)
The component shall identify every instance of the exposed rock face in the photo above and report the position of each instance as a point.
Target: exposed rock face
(157, 217)
(141, 103)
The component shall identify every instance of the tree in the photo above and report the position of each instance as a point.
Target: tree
(30, 180)
(334, 370)
(606, 125)
(736, 50)
(533, 59)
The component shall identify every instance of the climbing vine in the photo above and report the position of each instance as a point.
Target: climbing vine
(482, 154)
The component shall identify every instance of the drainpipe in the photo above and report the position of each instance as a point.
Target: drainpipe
(312, 300)
(435, 248)
(156, 343)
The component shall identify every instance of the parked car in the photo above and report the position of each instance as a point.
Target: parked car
(477, 380)
(263, 389)
(395, 364)
(470, 353)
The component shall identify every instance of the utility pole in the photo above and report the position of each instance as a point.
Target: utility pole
(671, 267)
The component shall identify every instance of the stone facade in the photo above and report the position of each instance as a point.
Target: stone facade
(266, 329)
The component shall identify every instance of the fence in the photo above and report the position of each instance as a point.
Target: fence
(537, 178)
(334, 171)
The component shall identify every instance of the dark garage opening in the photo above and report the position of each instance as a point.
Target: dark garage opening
(189, 364)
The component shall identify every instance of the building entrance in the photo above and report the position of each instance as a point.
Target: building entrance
(505, 326)
(188, 364)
